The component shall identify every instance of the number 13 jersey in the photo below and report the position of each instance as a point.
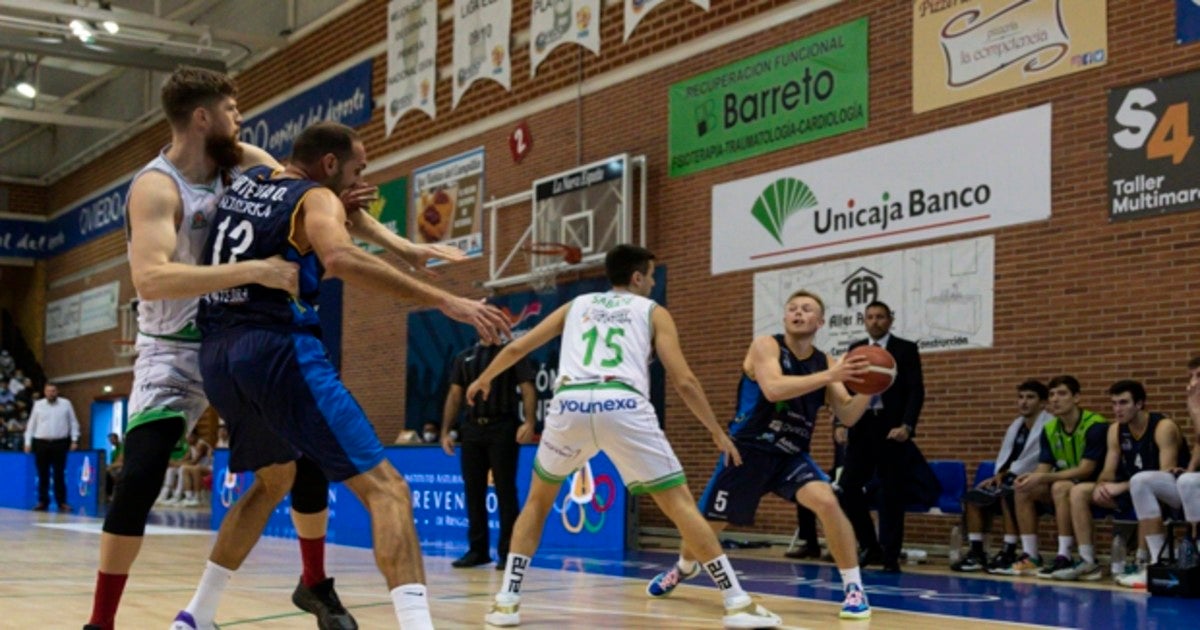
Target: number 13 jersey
(255, 220)
(608, 337)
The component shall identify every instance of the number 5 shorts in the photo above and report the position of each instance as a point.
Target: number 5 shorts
(610, 417)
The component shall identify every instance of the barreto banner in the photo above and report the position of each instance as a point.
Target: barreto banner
(481, 37)
(1153, 160)
(448, 202)
(1187, 21)
(965, 51)
(809, 89)
(942, 295)
(635, 10)
(888, 194)
(412, 59)
(557, 22)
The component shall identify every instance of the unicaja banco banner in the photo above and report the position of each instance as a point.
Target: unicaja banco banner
(970, 178)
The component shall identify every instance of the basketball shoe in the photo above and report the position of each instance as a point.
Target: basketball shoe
(665, 582)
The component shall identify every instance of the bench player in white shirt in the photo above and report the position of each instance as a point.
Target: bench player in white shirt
(602, 403)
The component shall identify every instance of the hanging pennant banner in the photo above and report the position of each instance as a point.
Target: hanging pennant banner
(412, 59)
(635, 10)
(557, 22)
(481, 38)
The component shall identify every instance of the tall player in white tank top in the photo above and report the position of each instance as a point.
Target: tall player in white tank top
(601, 403)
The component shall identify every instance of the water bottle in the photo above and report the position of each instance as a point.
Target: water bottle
(955, 544)
(1118, 554)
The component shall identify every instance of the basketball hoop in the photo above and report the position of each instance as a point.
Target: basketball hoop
(544, 275)
(124, 350)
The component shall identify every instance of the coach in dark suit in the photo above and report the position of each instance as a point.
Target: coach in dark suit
(880, 443)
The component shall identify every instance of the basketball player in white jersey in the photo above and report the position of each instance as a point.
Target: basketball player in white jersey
(601, 402)
(170, 204)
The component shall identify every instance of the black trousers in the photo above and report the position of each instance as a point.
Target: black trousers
(492, 447)
(868, 454)
(51, 454)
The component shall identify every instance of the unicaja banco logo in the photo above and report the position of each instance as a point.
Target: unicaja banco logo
(779, 201)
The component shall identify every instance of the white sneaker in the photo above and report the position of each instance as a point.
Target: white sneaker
(190, 502)
(744, 613)
(504, 613)
(1135, 580)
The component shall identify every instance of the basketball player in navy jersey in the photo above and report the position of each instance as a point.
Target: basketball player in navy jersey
(785, 382)
(1138, 440)
(266, 371)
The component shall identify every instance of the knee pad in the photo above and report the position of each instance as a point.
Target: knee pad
(310, 490)
(147, 451)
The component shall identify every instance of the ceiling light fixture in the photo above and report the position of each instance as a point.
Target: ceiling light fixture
(112, 27)
(82, 31)
(26, 89)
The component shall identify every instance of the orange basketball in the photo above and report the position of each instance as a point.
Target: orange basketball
(882, 371)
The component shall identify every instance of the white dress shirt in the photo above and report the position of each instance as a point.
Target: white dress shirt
(52, 421)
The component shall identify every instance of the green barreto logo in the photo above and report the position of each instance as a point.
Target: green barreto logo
(779, 201)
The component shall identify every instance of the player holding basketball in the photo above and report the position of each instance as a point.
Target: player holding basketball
(267, 373)
(785, 382)
(601, 403)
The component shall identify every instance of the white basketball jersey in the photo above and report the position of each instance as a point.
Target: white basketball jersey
(608, 336)
(176, 319)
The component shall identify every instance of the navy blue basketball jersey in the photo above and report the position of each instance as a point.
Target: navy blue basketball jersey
(254, 221)
(1143, 453)
(785, 426)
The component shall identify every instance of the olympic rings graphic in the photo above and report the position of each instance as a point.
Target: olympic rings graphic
(582, 493)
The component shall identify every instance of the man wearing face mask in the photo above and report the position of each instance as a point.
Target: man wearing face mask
(490, 432)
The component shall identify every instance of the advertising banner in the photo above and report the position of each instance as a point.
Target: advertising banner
(448, 203)
(82, 314)
(809, 89)
(1187, 21)
(391, 209)
(942, 295)
(1152, 158)
(965, 50)
(412, 59)
(592, 522)
(481, 43)
(557, 22)
(989, 174)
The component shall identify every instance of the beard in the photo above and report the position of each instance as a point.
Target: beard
(224, 150)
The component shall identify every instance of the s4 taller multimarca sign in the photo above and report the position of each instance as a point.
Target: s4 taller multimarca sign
(1153, 160)
(970, 178)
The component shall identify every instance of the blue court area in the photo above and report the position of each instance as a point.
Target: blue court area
(1021, 601)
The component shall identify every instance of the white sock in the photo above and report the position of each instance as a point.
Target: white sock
(412, 607)
(685, 566)
(1155, 542)
(851, 576)
(1064, 545)
(1088, 553)
(203, 606)
(723, 576)
(514, 574)
(1029, 544)
(975, 537)
(1011, 539)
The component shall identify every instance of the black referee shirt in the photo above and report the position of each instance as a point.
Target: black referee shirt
(504, 400)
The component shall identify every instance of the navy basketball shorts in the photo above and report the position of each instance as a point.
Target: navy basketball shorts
(733, 492)
(280, 397)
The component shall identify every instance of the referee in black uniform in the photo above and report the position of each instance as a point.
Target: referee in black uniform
(490, 432)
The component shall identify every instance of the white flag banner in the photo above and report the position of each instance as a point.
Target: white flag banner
(412, 59)
(481, 38)
(635, 10)
(556, 22)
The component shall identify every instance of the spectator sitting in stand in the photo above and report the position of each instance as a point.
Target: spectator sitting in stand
(7, 364)
(18, 383)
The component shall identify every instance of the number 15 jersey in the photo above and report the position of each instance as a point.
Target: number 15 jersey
(608, 337)
(255, 220)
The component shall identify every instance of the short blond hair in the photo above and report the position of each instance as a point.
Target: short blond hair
(808, 294)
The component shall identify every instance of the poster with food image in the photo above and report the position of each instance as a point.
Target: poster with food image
(447, 202)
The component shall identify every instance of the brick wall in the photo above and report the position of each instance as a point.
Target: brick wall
(23, 199)
(1074, 294)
